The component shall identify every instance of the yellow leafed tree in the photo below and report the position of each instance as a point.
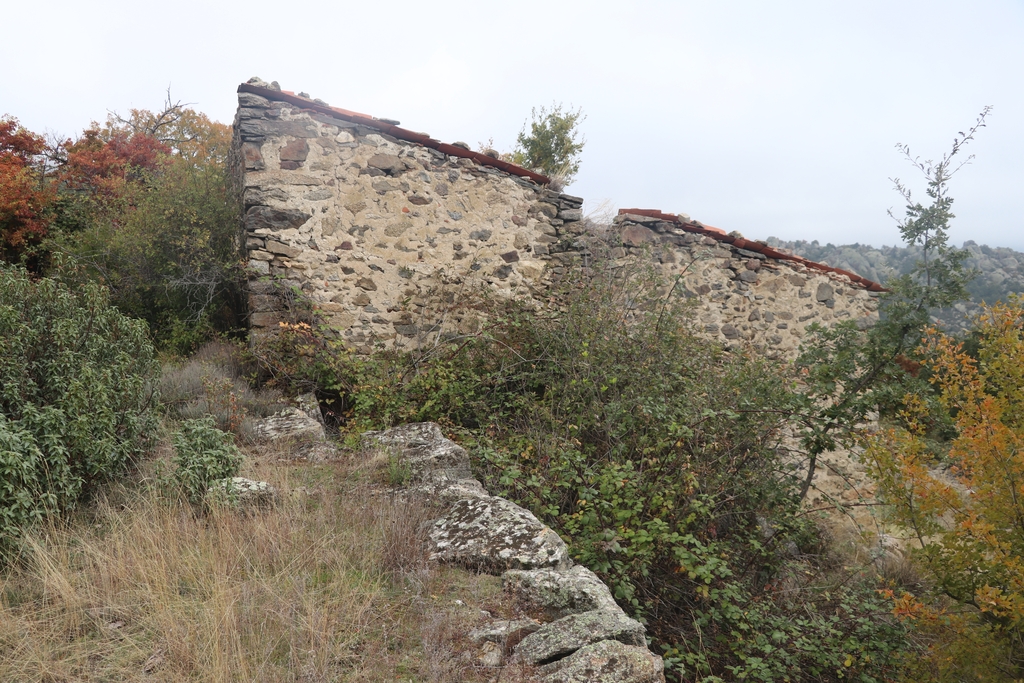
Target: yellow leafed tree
(966, 510)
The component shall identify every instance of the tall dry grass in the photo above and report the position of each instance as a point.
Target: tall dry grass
(213, 382)
(330, 585)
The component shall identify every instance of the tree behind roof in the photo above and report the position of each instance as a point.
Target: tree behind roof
(553, 145)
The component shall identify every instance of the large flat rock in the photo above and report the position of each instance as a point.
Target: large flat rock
(492, 534)
(560, 638)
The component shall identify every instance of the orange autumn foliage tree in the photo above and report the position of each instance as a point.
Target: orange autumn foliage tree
(150, 214)
(967, 516)
(24, 193)
(105, 174)
(106, 164)
(189, 134)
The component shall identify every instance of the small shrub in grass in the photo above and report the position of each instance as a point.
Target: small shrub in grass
(203, 454)
(76, 395)
(398, 471)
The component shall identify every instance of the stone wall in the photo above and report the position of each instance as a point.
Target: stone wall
(745, 296)
(384, 230)
(382, 233)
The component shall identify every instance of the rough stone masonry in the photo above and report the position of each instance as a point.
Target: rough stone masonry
(384, 235)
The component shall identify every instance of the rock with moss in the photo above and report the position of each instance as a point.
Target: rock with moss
(608, 661)
(497, 638)
(436, 465)
(561, 638)
(503, 630)
(493, 534)
(558, 593)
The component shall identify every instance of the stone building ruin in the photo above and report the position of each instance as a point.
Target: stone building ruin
(383, 228)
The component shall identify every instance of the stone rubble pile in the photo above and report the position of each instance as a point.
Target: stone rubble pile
(585, 635)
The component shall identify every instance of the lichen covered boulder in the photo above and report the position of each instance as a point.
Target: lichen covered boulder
(492, 534)
(290, 423)
(558, 593)
(435, 462)
(497, 638)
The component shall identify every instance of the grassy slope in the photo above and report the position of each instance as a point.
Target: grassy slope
(330, 585)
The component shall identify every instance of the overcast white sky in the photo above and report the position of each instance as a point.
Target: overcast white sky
(774, 119)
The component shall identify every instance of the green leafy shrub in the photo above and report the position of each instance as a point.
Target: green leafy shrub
(553, 145)
(203, 454)
(76, 395)
(169, 258)
(23, 492)
(654, 453)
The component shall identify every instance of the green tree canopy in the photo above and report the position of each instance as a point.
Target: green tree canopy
(553, 144)
(147, 210)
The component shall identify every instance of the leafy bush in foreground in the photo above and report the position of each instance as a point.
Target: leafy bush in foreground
(76, 395)
(203, 454)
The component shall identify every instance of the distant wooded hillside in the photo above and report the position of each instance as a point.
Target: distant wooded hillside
(1000, 270)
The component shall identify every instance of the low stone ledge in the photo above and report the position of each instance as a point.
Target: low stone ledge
(561, 638)
(589, 637)
(608, 661)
